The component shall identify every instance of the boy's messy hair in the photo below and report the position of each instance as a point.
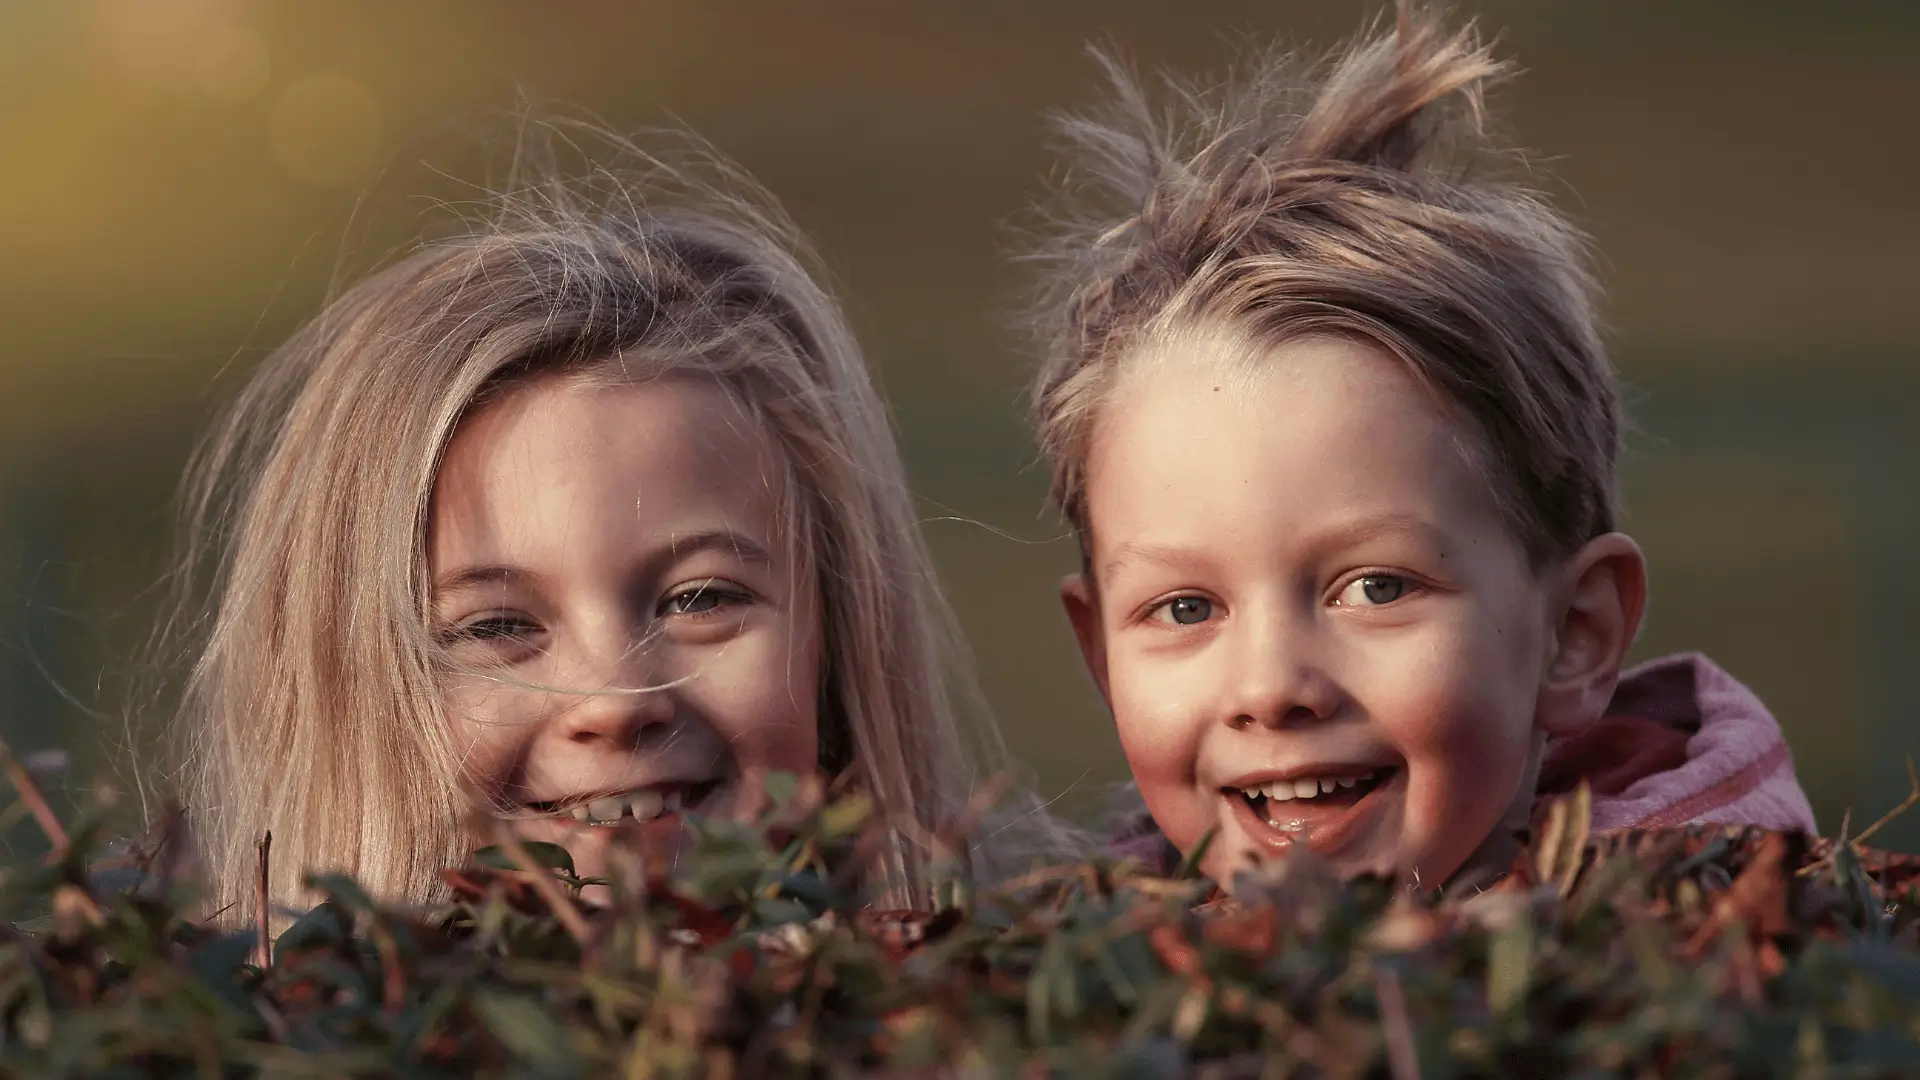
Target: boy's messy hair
(1352, 198)
(312, 708)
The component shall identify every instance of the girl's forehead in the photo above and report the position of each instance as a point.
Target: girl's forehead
(552, 462)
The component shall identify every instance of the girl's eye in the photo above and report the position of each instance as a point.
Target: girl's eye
(1373, 590)
(1188, 610)
(702, 599)
(494, 628)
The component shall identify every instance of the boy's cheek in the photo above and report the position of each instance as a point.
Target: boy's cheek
(1161, 751)
(1459, 792)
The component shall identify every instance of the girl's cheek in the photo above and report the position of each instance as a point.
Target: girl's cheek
(761, 690)
(491, 726)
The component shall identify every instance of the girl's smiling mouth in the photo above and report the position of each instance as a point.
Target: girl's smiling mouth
(637, 804)
(1321, 806)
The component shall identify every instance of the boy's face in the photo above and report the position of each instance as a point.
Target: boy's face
(1309, 619)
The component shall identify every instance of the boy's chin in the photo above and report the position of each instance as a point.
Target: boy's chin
(1230, 857)
(1233, 854)
(1353, 837)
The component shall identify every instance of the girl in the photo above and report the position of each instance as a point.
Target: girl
(593, 511)
(1327, 407)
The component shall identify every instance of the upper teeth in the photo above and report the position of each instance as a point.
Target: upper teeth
(643, 805)
(1283, 790)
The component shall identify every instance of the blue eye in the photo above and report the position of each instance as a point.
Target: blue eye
(1373, 590)
(1189, 610)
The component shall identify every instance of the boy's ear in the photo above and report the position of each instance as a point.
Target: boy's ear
(1605, 590)
(1083, 611)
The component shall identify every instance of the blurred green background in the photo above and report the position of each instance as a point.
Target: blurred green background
(182, 181)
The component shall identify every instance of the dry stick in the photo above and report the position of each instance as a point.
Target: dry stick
(543, 883)
(263, 941)
(36, 803)
(393, 983)
(1401, 1058)
(1912, 800)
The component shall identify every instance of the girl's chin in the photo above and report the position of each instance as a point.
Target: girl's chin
(600, 850)
(630, 850)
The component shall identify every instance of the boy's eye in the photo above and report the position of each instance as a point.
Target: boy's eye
(703, 598)
(1373, 589)
(1188, 610)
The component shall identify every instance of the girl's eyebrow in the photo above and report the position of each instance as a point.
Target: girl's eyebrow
(739, 544)
(468, 577)
(678, 546)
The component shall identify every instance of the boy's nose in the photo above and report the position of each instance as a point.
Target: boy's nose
(1278, 681)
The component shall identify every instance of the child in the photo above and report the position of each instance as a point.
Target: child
(592, 511)
(1327, 407)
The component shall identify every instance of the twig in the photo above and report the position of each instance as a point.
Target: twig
(1398, 1027)
(263, 939)
(36, 803)
(393, 983)
(1906, 804)
(276, 1023)
(543, 883)
(1912, 800)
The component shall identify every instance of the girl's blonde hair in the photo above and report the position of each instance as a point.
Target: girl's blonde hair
(312, 710)
(1356, 199)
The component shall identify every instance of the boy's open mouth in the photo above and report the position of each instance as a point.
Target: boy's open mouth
(636, 804)
(1316, 809)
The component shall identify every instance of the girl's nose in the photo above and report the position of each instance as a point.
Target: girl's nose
(618, 706)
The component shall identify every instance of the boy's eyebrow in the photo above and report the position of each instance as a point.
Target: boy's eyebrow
(679, 546)
(1342, 535)
(1164, 554)
(1348, 533)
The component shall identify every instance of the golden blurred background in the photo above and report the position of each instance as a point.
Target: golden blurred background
(183, 181)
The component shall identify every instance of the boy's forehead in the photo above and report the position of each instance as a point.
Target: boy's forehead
(1224, 356)
(1204, 440)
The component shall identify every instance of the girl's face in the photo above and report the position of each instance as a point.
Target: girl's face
(1307, 615)
(626, 634)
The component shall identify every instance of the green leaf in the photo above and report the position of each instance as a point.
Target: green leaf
(1190, 864)
(1509, 967)
(781, 787)
(524, 1028)
(1894, 969)
(551, 856)
(846, 816)
(324, 925)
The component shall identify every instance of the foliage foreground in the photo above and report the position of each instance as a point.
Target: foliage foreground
(1703, 952)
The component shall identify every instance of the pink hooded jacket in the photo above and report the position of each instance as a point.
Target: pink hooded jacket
(1683, 742)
